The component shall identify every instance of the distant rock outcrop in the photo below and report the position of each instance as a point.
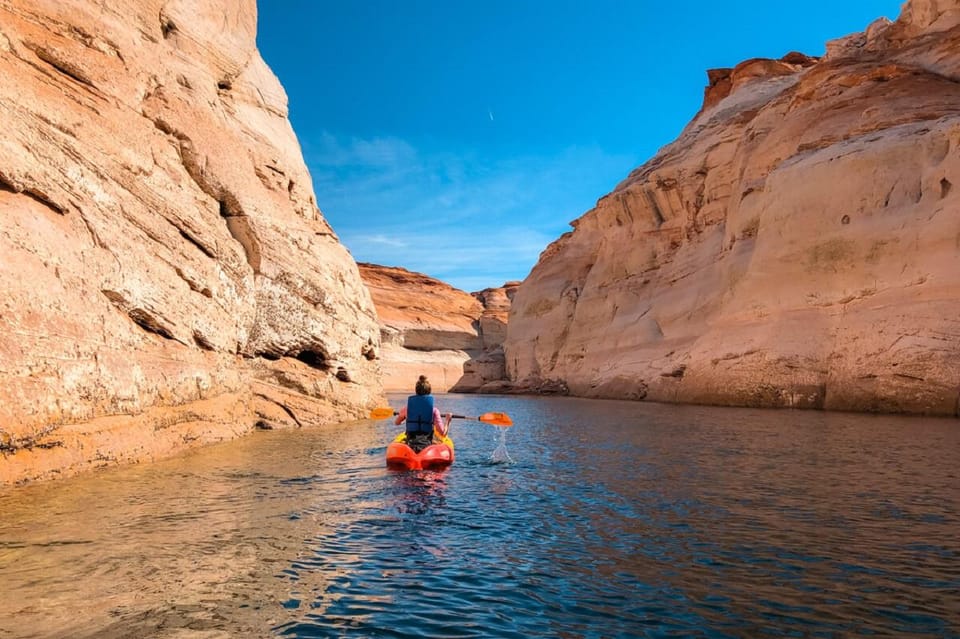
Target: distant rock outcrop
(431, 328)
(798, 245)
(485, 372)
(427, 327)
(167, 278)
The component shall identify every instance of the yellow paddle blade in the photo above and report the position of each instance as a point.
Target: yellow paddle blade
(382, 413)
(497, 419)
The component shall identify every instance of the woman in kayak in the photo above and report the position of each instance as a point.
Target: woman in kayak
(425, 425)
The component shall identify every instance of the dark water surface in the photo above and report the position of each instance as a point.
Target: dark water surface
(609, 519)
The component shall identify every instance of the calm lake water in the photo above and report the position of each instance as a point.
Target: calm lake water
(590, 519)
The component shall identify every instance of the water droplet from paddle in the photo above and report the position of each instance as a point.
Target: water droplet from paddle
(500, 454)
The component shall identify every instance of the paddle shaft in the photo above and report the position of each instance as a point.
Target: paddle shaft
(497, 419)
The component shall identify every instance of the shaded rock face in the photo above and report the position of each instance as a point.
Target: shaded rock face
(167, 277)
(496, 311)
(430, 328)
(485, 372)
(798, 245)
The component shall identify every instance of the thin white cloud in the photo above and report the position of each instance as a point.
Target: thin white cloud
(378, 241)
(454, 217)
(330, 151)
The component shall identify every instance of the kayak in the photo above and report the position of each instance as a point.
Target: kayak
(433, 457)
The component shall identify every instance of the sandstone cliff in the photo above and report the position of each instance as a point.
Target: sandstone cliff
(431, 328)
(167, 278)
(798, 245)
(485, 372)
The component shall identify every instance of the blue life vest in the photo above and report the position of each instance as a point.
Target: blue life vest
(420, 414)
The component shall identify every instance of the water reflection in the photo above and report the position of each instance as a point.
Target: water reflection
(416, 492)
(612, 519)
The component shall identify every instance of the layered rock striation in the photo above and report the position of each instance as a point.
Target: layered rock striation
(427, 327)
(431, 328)
(167, 278)
(798, 245)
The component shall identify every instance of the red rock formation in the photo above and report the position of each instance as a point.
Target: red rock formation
(496, 310)
(427, 313)
(167, 278)
(798, 245)
(427, 327)
(430, 328)
(721, 82)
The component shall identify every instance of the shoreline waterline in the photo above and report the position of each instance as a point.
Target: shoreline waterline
(12, 477)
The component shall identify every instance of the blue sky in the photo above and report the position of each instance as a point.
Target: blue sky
(458, 138)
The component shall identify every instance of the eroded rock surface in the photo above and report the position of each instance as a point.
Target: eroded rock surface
(798, 245)
(485, 372)
(431, 328)
(167, 278)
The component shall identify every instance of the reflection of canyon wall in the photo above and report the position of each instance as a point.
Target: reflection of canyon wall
(797, 245)
(166, 275)
(430, 328)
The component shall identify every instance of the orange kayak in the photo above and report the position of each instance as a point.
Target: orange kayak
(433, 457)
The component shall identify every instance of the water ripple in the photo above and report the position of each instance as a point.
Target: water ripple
(586, 519)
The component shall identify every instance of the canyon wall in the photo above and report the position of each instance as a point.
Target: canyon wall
(431, 328)
(797, 246)
(167, 278)
(485, 372)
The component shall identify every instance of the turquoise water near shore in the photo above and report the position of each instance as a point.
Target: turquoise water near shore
(604, 519)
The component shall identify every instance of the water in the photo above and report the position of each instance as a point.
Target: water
(590, 519)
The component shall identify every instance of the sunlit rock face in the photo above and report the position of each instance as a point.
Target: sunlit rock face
(431, 328)
(167, 278)
(798, 245)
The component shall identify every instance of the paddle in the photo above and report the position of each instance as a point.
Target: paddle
(382, 413)
(497, 419)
